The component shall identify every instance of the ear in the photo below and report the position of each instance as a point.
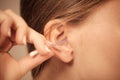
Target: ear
(54, 32)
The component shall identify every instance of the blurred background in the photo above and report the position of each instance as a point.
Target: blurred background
(18, 51)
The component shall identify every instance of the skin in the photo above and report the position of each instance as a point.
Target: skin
(11, 69)
(95, 43)
(91, 51)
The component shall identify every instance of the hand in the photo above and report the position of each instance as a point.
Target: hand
(14, 31)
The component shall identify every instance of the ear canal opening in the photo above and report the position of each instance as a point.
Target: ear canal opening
(61, 42)
(59, 37)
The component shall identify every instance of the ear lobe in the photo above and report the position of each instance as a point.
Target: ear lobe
(54, 32)
(63, 51)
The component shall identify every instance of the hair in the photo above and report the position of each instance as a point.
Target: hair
(38, 12)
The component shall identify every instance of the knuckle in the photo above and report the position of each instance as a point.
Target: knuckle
(19, 42)
(8, 10)
(3, 17)
(8, 19)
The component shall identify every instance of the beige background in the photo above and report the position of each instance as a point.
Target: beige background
(17, 51)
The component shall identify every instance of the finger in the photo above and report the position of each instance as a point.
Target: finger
(2, 16)
(5, 23)
(7, 65)
(37, 39)
(39, 42)
(5, 27)
(20, 26)
(5, 45)
(28, 63)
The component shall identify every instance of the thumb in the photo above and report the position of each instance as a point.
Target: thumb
(28, 62)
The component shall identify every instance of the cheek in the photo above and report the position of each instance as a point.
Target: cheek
(103, 41)
(99, 51)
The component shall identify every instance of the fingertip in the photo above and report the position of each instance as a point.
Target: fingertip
(32, 60)
(5, 27)
(21, 36)
(21, 40)
(49, 44)
(47, 49)
(24, 40)
(9, 33)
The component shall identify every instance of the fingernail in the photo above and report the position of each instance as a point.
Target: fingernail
(24, 40)
(47, 49)
(9, 33)
(33, 53)
(50, 43)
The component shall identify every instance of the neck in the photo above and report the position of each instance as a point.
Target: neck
(56, 70)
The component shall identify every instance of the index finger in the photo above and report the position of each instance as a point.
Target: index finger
(19, 25)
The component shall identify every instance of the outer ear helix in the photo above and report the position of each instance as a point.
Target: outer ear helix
(52, 23)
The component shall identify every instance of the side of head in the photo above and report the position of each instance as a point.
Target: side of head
(51, 17)
(88, 39)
